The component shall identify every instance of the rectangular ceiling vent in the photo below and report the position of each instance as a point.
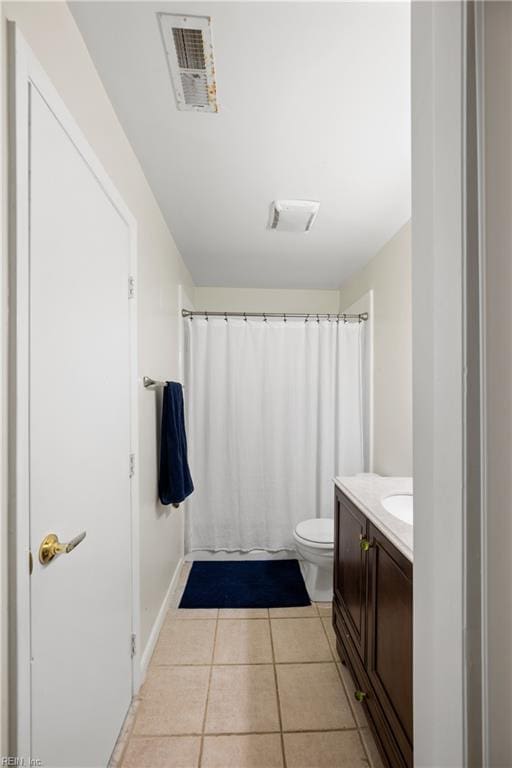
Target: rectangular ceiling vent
(293, 215)
(189, 51)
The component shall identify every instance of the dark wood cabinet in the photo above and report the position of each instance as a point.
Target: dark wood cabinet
(350, 569)
(372, 618)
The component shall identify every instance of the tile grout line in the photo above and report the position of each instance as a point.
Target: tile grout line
(201, 747)
(245, 618)
(183, 617)
(247, 663)
(239, 733)
(279, 713)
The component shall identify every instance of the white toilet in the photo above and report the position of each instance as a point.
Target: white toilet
(314, 540)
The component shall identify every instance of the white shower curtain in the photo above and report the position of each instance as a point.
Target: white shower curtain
(274, 412)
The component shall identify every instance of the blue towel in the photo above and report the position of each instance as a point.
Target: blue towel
(175, 482)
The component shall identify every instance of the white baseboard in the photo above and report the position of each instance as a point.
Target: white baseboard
(157, 626)
(253, 554)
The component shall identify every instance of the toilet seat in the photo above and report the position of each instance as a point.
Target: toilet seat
(317, 532)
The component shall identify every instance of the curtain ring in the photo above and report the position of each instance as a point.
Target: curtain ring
(245, 318)
(328, 317)
(307, 318)
(284, 316)
(344, 318)
(317, 319)
(226, 316)
(206, 315)
(264, 318)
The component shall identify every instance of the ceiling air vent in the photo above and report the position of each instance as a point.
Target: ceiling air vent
(293, 215)
(188, 47)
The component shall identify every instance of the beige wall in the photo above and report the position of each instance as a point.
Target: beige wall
(265, 300)
(51, 32)
(388, 275)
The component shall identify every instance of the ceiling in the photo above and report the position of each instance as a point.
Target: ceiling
(314, 104)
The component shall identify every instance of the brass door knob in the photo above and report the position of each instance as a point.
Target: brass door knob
(51, 546)
(364, 544)
(360, 695)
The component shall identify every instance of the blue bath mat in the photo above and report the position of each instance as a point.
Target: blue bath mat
(245, 584)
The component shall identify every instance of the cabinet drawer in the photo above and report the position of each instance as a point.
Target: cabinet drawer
(380, 727)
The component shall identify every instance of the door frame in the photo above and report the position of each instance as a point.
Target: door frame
(438, 267)
(26, 72)
(448, 415)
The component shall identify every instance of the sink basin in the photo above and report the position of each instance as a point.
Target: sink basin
(400, 506)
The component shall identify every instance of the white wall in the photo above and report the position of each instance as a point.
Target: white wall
(388, 276)
(266, 300)
(51, 32)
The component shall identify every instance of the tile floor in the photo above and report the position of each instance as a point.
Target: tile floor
(246, 689)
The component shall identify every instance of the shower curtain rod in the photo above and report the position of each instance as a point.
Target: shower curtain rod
(346, 317)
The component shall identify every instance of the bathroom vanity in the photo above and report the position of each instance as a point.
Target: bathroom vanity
(372, 605)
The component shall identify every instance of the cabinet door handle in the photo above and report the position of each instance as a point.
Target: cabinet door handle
(360, 695)
(365, 544)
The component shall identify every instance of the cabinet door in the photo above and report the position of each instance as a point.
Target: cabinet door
(350, 569)
(389, 661)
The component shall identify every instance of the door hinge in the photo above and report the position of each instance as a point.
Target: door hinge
(132, 465)
(134, 645)
(131, 287)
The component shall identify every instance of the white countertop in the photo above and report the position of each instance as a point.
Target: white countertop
(366, 491)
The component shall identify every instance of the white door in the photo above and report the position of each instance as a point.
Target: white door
(79, 452)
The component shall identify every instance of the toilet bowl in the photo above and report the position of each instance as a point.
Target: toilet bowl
(314, 541)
